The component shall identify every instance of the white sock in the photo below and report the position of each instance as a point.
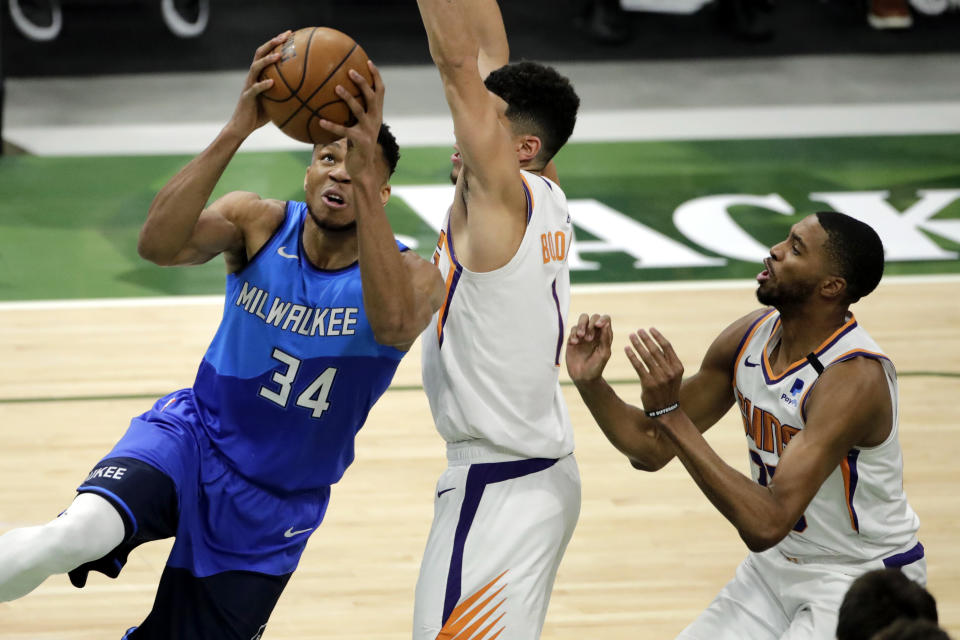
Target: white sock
(88, 530)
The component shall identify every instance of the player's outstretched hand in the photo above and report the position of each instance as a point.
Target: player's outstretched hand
(588, 347)
(658, 366)
(249, 114)
(362, 136)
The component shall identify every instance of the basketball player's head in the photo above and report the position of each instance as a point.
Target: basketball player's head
(829, 257)
(538, 105)
(328, 188)
(878, 598)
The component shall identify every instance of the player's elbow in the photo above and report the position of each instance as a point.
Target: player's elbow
(396, 331)
(647, 463)
(763, 537)
(149, 249)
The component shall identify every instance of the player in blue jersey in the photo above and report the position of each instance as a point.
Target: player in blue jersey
(321, 305)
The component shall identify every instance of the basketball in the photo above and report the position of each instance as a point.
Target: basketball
(314, 61)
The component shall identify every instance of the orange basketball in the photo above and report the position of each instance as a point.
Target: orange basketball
(314, 61)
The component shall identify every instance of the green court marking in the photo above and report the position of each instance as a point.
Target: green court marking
(69, 226)
(396, 387)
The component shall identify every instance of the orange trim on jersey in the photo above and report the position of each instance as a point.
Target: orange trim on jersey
(445, 246)
(803, 361)
(463, 615)
(746, 341)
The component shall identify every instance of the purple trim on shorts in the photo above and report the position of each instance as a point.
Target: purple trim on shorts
(479, 476)
(116, 501)
(903, 559)
(556, 299)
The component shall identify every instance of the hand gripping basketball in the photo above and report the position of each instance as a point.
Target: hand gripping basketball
(313, 61)
(248, 115)
(368, 114)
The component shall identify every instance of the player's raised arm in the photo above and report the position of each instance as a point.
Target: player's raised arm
(484, 141)
(401, 291)
(705, 396)
(178, 229)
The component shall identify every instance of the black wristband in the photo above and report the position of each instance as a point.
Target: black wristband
(659, 412)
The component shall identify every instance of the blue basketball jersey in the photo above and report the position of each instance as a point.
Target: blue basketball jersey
(293, 369)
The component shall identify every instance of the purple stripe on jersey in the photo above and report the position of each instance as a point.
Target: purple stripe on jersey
(560, 321)
(861, 354)
(453, 253)
(446, 308)
(526, 192)
(852, 461)
(905, 558)
(549, 184)
(479, 476)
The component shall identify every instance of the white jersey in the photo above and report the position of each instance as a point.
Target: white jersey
(860, 512)
(491, 356)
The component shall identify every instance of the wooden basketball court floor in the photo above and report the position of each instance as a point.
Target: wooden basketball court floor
(649, 552)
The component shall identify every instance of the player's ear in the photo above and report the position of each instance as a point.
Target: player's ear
(528, 148)
(833, 288)
(385, 194)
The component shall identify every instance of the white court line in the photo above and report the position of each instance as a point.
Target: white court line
(580, 289)
(597, 126)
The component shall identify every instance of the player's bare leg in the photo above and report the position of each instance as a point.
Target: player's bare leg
(88, 530)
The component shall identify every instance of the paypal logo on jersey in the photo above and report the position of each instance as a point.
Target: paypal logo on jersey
(794, 392)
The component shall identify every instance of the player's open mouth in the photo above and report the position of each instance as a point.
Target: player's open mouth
(333, 199)
(767, 273)
(455, 158)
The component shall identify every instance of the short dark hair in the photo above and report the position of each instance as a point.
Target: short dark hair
(540, 102)
(856, 251)
(391, 150)
(879, 597)
(912, 629)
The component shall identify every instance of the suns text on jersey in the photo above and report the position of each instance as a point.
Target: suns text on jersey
(297, 318)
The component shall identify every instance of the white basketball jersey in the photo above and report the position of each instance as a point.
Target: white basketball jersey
(491, 356)
(860, 512)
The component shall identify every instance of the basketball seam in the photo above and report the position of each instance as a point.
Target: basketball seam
(303, 101)
(303, 75)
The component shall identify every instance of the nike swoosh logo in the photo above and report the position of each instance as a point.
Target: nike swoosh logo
(284, 254)
(750, 364)
(289, 533)
(440, 493)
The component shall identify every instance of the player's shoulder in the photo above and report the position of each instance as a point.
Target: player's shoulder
(734, 336)
(248, 210)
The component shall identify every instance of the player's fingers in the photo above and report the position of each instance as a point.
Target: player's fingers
(653, 348)
(378, 85)
(606, 335)
(668, 352)
(355, 107)
(363, 85)
(582, 323)
(262, 63)
(259, 87)
(337, 129)
(270, 44)
(637, 365)
(642, 350)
